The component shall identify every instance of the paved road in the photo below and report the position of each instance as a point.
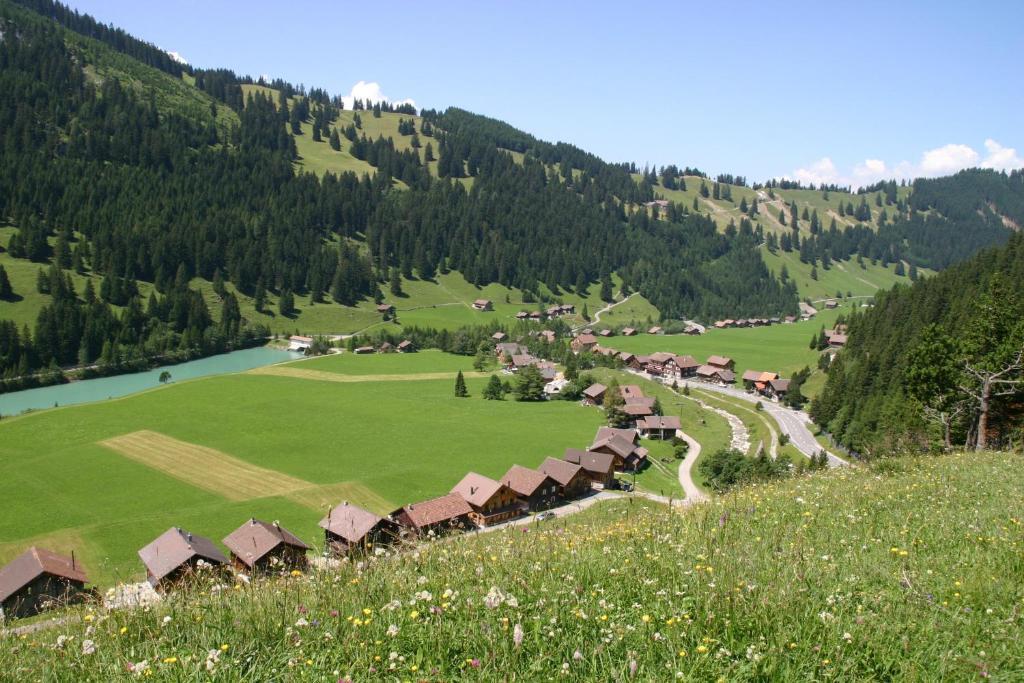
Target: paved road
(793, 423)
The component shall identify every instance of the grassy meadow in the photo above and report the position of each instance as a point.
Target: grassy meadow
(843, 277)
(906, 572)
(380, 444)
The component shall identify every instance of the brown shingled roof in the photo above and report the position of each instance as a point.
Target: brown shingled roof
(174, 548)
(523, 480)
(561, 471)
(350, 522)
(437, 510)
(25, 568)
(477, 489)
(663, 422)
(254, 539)
(590, 461)
(594, 390)
(608, 432)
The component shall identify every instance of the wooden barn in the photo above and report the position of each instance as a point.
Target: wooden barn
(572, 481)
(259, 546)
(599, 467)
(175, 554)
(348, 528)
(492, 502)
(535, 489)
(39, 579)
(437, 515)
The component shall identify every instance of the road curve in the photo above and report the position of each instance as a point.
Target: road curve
(693, 492)
(793, 423)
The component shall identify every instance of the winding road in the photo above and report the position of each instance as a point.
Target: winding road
(692, 491)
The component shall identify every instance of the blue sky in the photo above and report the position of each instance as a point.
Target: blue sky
(843, 92)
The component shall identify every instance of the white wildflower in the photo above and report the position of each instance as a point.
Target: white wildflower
(88, 647)
(392, 630)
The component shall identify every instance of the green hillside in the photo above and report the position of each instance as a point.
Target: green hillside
(842, 278)
(857, 574)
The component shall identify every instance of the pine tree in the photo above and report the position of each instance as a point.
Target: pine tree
(585, 314)
(259, 298)
(335, 140)
(6, 291)
(606, 289)
(396, 282)
(494, 390)
(460, 386)
(286, 303)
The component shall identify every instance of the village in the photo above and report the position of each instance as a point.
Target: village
(40, 579)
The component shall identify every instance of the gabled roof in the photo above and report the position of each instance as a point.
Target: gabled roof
(629, 391)
(562, 471)
(350, 522)
(175, 547)
(608, 432)
(477, 489)
(590, 461)
(751, 375)
(780, 385)
(404, 344)
(25, 568)
(637, 409)
(767, 377)
(437, 510)
(594, 391)
(617, 444)
(523, 359)
(720, 361)
(482, 302)
(654, 330)
(686, 362)
(661, 357)
(523, 480)
(254, 539)
(663, 422)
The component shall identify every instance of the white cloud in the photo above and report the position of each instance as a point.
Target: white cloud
(948, 159)
(1002, 158)
(940, 161)
(372, 93)
(176, 56)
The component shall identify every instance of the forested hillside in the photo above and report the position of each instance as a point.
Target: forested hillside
(127, 178)
(936, 364)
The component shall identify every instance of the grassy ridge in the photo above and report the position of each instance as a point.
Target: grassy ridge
(912, 573)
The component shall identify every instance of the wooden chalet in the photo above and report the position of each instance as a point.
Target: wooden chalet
(837, 341)
(499, 336)
(630, 435)
(39, 579)
(483, 305)
(622, 450)
(259, 546)
(710, 373)
(606, 333)
(386, 347)
(492, 502)
(660, 426)
(364, 350)
(723, 362)
(628, 331)
(594, 394)
(685, 366)
(572, 480)
(548, 336)
(522, 315)
(437, 515)
(660, 363)
(533, 488)
(777, 388)
(655, 330)
(349, 528)
(175, 554)
(406, 346)
(630, 392)
(385, 308)
(599, 467)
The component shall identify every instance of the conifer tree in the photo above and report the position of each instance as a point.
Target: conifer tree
(460, 386)
(6, 291)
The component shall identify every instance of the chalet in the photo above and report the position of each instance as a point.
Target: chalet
(777, 388)
(710, 373)
(723, 362)
(685, 366)
(749, 377)
(655, 330)
(594, 394)
(630, 435)
(483, 305)
(386, 347)
(743, 322)
(499, 336)
(548, 370)
(837, 341)
(405, 346)
(599, 467)
(548, 336)
(694, 329)
(491, 501)
(572, 480)
(638, 410)
(536, 316)
(628, 359)
(297, 343)
(258, 546)
(568, 309)
(660, 363)
(385, 308)
(660, 426)
(364, 349)
(586, 330)
(509, 349)
(628, 331)
(553, 311)
(807, 311)
(831, 303)
(435, 516)
(534, 489)
(606, 333)
(348, 528)
(720, 325)
(584, 342)
(38, 579)
(521, 360)
(761, 383)
(621, 449)
(789, 319)
(175, 554)
(522, 315)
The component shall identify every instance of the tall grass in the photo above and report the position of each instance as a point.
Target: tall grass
(913, 574)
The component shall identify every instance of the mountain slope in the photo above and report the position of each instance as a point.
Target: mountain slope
(857, 574)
